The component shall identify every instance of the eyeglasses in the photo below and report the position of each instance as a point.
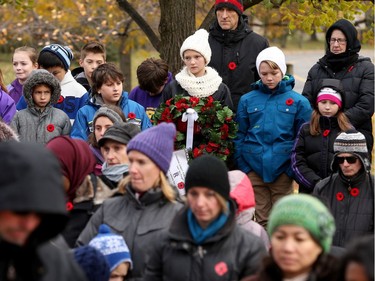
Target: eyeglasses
(341, 41)
(349, 159)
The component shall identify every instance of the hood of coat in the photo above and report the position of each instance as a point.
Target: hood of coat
(7, 133)
(241, 190)
(33, 183)
(38, 77)
(346, 27)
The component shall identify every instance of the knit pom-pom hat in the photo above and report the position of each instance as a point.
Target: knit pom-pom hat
(197, 42)
(210, 172)
(64, 53)
(112, 246)
(307, 212)
(235, 5)
(273, 54)
(157, 143)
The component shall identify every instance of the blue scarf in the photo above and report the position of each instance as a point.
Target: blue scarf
(199, 234)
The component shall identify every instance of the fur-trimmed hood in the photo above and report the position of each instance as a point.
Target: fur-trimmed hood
(7, 133)
(37, 77)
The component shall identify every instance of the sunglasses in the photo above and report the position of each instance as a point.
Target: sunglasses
(349, 159)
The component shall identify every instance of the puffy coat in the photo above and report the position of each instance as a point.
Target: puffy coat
(231, 254)
(312, 155)
(268, 125)
(356, 75)
(83, 122)
(138, 220)
(241, 47)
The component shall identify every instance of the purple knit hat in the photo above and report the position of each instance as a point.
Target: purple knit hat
(157, 143)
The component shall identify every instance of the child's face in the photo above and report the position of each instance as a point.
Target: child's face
(120, 272)
(195, 63)
(111, 91)
(328, 108)
(102, 124)
(22, 65)
(57, 71)
(41, 96)
(270, 77)
(91, 62)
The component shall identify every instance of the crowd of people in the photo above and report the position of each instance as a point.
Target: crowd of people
(85, 183)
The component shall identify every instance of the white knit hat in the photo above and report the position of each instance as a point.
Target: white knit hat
(197, 42)
(272, 54)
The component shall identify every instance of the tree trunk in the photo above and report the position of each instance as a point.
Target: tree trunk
(177, 21)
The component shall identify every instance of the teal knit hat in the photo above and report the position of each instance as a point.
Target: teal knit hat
(305, 211)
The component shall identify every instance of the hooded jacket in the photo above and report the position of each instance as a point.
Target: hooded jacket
(356, 74)
(7, 107)
(234, 53)
(32, 183)
(34, 125)
(83, 123)
(268, 123)
(231, 254)
(351, 201)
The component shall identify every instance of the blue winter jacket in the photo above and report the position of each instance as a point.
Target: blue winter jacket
(268, 125)
(82, 126)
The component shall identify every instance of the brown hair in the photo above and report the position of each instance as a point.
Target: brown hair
(2, 85)
(166, 188)
(92, 139)
(152, 74)
(272, 64)
(33, 54)
(93, 47)
(342, 119)
(104, 73)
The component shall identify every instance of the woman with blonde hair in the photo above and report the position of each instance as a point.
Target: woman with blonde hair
(203, 241)
(149, 203)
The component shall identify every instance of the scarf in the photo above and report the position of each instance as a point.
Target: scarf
(114, 172)
(200, 87)
(198, 233)
(336, 62)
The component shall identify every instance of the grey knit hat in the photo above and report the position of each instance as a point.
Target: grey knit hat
(38, 77)
(121, 132)
(107, 112)
(352, 142)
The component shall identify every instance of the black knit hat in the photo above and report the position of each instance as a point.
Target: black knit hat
(210, 172)
(120, 132)
(235, 5)
(352, 142)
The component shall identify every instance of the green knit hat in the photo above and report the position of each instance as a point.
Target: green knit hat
(305, 211)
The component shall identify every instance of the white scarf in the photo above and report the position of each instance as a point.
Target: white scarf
(302, 277)
(201, 87)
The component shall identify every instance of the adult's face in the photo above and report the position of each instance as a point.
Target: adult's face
(114, 152)
(294, 250)
(102, 124)
(204, 205)
(144, 173)
(16, 228)
(349, 169)
(337, 42)
(227, 18)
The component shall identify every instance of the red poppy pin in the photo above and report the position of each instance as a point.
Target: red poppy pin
(61, 99)
(131, 115)
(339, 196)
(326, 133)
(289, 101)
(50, 127)
(69, 206)
(354, 191)
(221, 268)
(181, 185)
(232, 65)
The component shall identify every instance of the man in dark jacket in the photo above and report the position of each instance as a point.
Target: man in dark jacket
(235, 48)
(349, 192)
(32, 211)
(356, 73)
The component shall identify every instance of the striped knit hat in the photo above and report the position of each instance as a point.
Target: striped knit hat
(352, 142)
(330, 94)
(64, 53)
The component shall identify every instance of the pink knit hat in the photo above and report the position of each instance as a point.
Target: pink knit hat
(329, 94)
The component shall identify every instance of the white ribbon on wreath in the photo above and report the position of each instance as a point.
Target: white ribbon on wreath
(190, 116)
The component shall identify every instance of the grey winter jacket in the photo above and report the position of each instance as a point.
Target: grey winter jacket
(34, 125)
(139, 221)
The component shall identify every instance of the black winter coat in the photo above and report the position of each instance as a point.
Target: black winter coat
(354, 215)
(356, 75)
(240, 47)
(231, 254)
(312, 155)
